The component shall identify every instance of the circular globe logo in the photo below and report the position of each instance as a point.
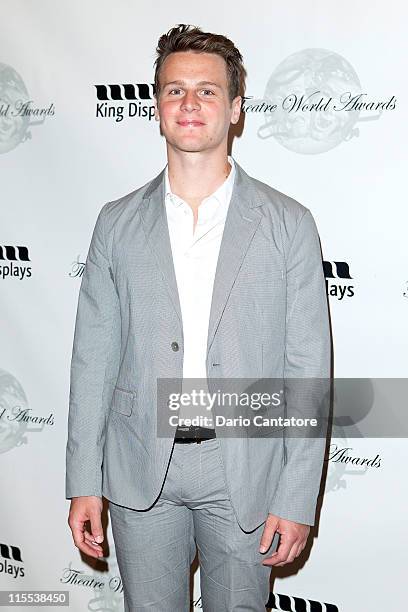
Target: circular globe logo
(311, 76)
(13, 93)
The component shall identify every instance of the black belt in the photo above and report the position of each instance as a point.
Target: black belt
(187, 435)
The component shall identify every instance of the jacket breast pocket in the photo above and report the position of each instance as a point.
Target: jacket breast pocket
(123, 401)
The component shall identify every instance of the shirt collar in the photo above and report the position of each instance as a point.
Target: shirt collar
(222, 194)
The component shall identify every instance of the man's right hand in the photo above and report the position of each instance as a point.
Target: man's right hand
(83, 509)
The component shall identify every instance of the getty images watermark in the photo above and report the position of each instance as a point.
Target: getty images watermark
(244, 407)
(198, 398)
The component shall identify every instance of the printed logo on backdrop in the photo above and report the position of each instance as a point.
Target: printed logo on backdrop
(356, 397)
(18, 112)
(107, 586)
(289, 603)
(314, 101)
(17, 420)
(286, 603)
(337, 273)
(11, 562)
(125, 101)
(77, 268)
(13, 260)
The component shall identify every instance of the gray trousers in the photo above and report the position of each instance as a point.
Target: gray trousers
(156, 547)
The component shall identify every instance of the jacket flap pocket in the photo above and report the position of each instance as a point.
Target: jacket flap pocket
(122, 401)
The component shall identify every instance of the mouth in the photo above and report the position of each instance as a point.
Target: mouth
(190, 123)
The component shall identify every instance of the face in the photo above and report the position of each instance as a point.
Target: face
(193, 108)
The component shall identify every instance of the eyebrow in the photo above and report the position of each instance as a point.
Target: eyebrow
(200, 83)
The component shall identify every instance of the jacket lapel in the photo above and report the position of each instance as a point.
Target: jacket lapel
(155, 224)
(240, 226)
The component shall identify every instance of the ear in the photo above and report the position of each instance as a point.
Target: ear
(236, 109)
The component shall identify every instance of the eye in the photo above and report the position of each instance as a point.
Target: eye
(176, 89)
(208, 91)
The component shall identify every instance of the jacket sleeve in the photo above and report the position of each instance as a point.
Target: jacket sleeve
(306, 376)
(94, 368)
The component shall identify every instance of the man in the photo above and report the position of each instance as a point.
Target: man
(204, 272)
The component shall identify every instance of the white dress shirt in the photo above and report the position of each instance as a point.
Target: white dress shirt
(195, 256)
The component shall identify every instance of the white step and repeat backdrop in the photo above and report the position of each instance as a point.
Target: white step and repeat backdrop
(325, 122)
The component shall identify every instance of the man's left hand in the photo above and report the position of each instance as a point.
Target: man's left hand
(293, 538)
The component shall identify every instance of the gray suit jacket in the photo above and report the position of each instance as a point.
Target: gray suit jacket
(269, 318)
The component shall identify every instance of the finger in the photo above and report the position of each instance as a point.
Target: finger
(89, 537)
(90, 540)
(283, 551)
(301, 548)
(96, 526)
(89, 550)
(294, 551)
(267, 535)
(80, 543)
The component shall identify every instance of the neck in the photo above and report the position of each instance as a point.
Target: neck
(194, 176)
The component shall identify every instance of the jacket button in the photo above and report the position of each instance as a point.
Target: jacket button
(175, 346)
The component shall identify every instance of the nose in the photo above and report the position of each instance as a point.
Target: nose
(190, 102)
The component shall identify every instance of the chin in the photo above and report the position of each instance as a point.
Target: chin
(188, 145)
(191, 148)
